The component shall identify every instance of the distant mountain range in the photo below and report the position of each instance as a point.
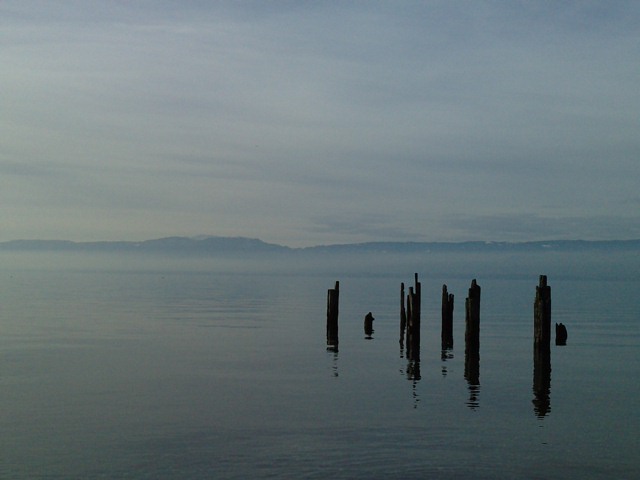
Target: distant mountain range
(242, 245)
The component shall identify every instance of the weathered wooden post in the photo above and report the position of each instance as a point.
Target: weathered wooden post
(333, 296)
(413, 321)
(409, 310)
(561, 334)
(472, 318)
(542, 316)
(403, 315)
(542, 348)
(368, 325)
(472, 344)
(447, 319)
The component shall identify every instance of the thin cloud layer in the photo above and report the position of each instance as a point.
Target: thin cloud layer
(319, 122)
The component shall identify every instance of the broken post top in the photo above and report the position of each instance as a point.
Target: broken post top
(337, 287)
(543, 288)
(474, 290)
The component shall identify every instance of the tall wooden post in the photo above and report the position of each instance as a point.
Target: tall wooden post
(333, 296)
(403, 315)
(472, 344)
(542, 348)
(472, 318)
(409, 321)
(447, 319)
(413, 320)
(542, 316)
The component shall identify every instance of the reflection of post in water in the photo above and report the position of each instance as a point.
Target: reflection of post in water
(413, 321)
(472, 375)
(472, 344)
(541, 382)
(446, 354)
(542, 348)
(447, 319)
(413, 374)
(332, 317)
(413, 370)
(334, 366)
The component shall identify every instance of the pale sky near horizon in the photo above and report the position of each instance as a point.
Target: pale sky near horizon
(305, 123)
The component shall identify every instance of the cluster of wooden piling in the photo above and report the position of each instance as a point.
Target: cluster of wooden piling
(410, 309)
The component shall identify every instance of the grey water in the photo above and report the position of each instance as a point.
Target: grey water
(125, 367)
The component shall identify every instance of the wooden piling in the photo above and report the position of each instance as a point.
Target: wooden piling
(333, 296)
(403, 315)
(472, 319)
(413, 320)
(368, 325)
(472, 343)
(561, 334)
(447, 319)
(542, 316)
(409, 309)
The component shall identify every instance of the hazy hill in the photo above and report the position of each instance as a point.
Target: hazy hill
(243, 245)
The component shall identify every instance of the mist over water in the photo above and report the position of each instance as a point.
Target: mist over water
(158, 366)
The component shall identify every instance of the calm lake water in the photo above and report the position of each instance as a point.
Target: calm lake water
(157, 367)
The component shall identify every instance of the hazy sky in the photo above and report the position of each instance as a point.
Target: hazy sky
(308, 122)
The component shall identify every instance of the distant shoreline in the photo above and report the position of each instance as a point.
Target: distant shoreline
(243, 245)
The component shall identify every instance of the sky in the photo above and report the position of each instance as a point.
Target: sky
(305, 123)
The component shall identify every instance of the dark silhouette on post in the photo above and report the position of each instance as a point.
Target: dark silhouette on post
(561, 334)
(368, 325)
(333, 296)
(447, 319)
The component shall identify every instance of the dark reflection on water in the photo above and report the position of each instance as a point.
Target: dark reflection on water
(447, 354)
(413, 370)
(472, 375)
(541, 382)
(334, 363)
(413, 374)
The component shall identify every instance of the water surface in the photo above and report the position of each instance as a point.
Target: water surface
(187, 368)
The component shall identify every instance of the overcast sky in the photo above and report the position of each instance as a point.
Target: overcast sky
(307, 122)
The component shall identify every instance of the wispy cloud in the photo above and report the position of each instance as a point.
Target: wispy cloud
(269, 118)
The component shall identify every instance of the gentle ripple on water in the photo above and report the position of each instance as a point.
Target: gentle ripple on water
(178, 374)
